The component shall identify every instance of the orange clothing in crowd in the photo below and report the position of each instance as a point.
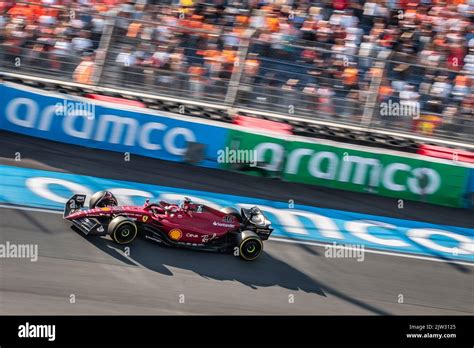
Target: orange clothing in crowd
(376, 72)
(134, 29)
(207, 27)
(84, 72)
(210, 54)
(22, 11)
(427, 124)
(196, 21)
(32, 11)
(238, 31)
(385, 91)
(196, 72)
(251, 67)
(273, 24)
(101, 7)
(229, 55)
(350, 76)
(243, 20)
(461, 81)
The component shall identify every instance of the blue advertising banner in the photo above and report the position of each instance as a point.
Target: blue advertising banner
(79, 121)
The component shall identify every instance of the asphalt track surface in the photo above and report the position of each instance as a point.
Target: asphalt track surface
(288, 279)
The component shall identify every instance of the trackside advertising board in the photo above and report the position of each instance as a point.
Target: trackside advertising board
(78, 121)
(131, 130)
(355, 170)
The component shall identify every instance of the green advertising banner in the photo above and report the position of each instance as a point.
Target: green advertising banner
(355, 170)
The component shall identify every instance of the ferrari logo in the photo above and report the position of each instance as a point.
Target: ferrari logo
(175, 234)
(144, 218)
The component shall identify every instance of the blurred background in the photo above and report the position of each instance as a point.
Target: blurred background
(339, 61)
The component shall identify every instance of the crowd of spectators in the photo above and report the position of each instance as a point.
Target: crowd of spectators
(325, 58)
(51, 38)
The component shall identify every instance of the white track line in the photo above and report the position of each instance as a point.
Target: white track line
(18, 207)
(292, 241)
(409, 256)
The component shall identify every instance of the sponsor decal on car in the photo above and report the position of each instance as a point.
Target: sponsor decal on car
(105, 209)
(192, 235)
(144, 218)
(175, 234)
(191, 244)
(153, 239)
(222, 224)
(207, 238)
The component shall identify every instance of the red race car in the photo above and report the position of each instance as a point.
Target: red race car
(187, 225)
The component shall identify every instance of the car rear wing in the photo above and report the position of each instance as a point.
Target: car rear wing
(254, 220)
(74, 204)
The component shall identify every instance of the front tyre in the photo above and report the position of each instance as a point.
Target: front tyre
(122, 230)
(250, 245)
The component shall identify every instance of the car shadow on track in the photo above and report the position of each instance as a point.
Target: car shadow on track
(265, 272)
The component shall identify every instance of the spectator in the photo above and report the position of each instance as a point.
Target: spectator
(126, 60)
(84, 73)
(82, 43)
(196, 81)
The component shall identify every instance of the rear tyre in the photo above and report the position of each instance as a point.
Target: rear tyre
(102, 199)
(122, 230)
(250, 245)
(233, 212)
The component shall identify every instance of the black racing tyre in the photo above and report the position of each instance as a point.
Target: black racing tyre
(250, 245)
(122, 230)
(102, 199)
(233, 212)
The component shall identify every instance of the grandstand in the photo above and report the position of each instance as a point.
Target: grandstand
(405, 66)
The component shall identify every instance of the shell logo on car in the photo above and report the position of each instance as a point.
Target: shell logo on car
(175, 234)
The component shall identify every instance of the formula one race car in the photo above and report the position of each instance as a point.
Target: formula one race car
(187, 225)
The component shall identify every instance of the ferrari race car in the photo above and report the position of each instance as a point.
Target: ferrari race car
(187, 224)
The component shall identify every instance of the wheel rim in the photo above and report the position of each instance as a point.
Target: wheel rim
(251, 249)
(125, 234)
